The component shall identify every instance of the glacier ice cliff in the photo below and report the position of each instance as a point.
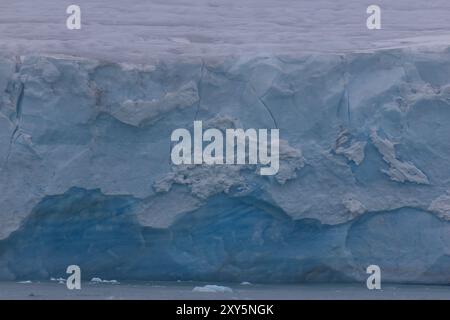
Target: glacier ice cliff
(364, 178)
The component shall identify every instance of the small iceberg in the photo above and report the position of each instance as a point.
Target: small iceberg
(59, 280)
(210, 288)
(99, 280)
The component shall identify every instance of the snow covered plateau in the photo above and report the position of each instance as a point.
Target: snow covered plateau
(85, 125)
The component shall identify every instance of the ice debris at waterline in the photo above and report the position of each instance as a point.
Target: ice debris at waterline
(86, 176)
(212, 288)
(99, 280)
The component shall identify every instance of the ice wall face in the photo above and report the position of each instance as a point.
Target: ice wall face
(86, 176)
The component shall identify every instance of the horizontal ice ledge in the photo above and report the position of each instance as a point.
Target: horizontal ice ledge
(86, 172)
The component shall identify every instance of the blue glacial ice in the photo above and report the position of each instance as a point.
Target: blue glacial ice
(364, 178)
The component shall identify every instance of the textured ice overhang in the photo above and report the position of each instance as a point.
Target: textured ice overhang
(86, 176)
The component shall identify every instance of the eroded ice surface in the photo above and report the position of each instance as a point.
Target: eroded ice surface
(86, 176)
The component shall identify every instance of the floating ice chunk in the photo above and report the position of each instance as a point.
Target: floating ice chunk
(57, 279)
(211, 288)
(245, 283)
(25, 282)
(99, 280)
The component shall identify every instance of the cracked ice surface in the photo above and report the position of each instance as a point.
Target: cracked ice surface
(76, 156)
(85, 129)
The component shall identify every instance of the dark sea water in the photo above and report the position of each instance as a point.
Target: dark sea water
(184, 290)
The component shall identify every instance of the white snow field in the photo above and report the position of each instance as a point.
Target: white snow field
(364, 117)
(141, 30)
